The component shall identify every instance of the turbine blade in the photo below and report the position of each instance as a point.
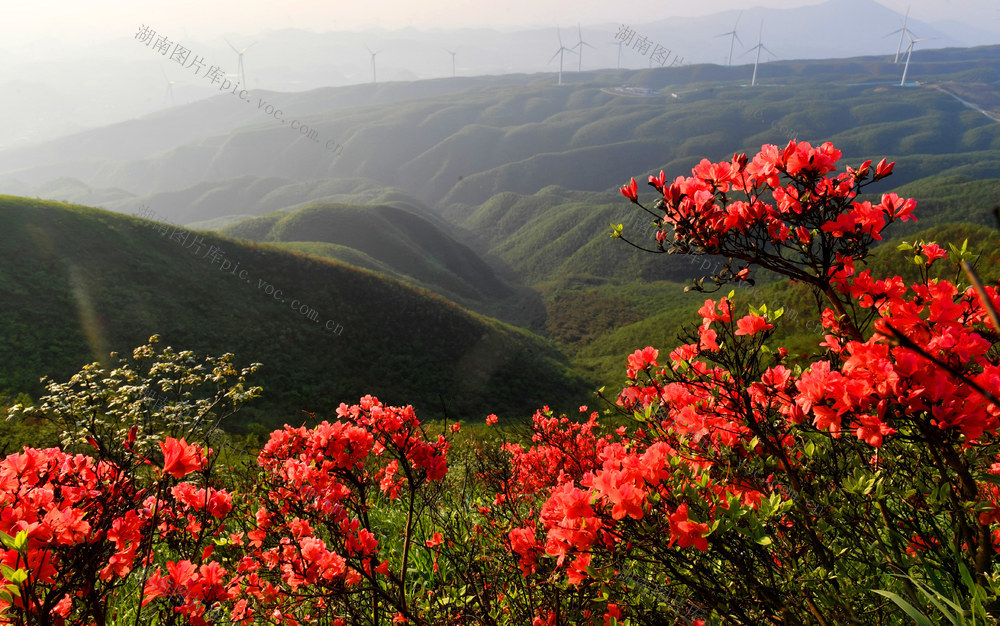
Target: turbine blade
(558, 52)
(231, 46)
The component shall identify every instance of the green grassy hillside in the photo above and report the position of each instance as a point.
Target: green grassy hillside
(78, 282)
(399, 243)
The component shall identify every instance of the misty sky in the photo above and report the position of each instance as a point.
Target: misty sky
(49, 22)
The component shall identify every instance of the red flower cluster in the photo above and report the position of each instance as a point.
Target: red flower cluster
(313, 530)
(91, 516)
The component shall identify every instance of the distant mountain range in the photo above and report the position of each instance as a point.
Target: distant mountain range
(60, 89)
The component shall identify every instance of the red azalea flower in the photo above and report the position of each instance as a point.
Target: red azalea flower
(751, 325)
(631, 191)
(883, 169)
(658, 181)
(180, 458)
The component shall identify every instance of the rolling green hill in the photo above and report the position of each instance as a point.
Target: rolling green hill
(397, 242)
(79, 282)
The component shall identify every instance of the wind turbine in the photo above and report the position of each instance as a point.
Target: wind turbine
(239, 64)
(909, 51)
(903, 32)
(373, 61)
(619, 44)
(733, 39)
(580, 44)
(559, 53)
(452, 62)
(170, 86)
(760, 46)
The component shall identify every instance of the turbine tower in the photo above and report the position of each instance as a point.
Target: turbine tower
(239, 64)
(733, 38)
(452, 62)
(170, 86)
(909, 51)
(760, 46)
(373, 61)
(903, 32)
(580, 44)
(619, 44)
(559, 53)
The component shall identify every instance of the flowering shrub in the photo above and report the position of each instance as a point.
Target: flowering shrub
(75, 527)
(320, 521)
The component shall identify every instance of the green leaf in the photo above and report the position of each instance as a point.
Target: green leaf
(21, 540)
(7, 571)
(908, 608)
(934, 597)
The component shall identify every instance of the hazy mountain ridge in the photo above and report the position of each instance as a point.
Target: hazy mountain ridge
(110, 80)
(464, 146)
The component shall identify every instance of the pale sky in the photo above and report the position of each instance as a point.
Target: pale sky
(84, 21)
